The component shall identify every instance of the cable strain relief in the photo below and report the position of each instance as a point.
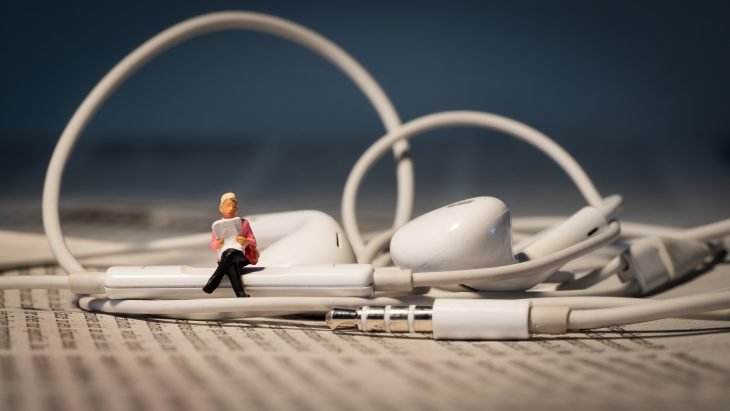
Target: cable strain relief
(392, 279)
(549, 320)
(86, 282)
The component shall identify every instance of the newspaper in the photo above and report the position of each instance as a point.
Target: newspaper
(227, 229)
(54, 356)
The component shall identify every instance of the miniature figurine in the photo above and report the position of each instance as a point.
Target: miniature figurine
(235, 245)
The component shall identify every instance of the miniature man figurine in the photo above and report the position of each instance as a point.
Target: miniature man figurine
(237, 254)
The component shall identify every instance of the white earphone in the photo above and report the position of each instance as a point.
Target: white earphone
(300, 237)
(477, 233)
(467, 234)
(309, 263)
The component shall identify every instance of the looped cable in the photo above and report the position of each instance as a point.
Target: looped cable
(451, 119)
(192, 28)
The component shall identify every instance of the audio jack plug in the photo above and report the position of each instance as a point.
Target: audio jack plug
(446, 319)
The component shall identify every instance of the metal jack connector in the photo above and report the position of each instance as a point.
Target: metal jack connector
(390, 319)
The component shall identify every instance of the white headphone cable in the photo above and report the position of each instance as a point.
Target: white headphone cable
(184, 31)
(655, 310)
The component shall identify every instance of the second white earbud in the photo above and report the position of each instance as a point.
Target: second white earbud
(467, 234)
(477, 233)
(300, 237)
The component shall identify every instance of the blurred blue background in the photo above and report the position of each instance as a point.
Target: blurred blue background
(637, 91)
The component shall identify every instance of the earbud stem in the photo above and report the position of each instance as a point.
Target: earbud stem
(580, 226)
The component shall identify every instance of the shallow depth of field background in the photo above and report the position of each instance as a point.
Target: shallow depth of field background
(637, 92)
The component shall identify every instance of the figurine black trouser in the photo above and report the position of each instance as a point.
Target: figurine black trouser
(231, 264)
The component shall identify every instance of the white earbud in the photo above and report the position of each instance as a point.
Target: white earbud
(300, 237)
(467, 234)
(476, 233)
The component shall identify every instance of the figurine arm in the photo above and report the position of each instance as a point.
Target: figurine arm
(248, 233)
(215, 243)
(251, 252)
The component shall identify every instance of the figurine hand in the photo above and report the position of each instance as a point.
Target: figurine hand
(218, 243)
(242, 240)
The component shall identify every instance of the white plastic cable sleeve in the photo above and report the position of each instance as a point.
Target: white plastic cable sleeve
(452, 119)
(481, 319)
(184, 31)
